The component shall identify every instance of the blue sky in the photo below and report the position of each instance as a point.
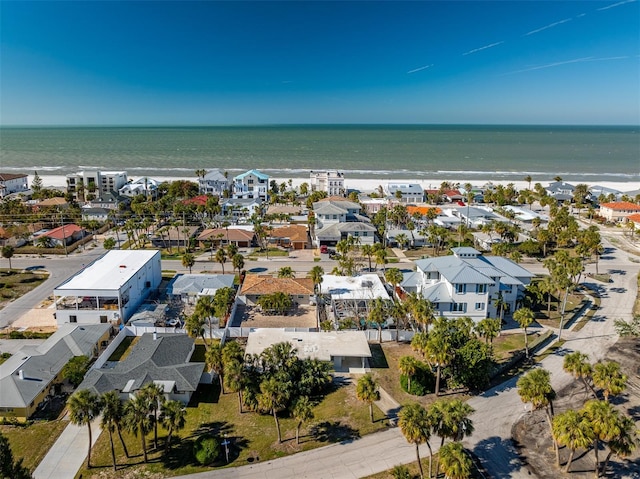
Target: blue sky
(229, 63)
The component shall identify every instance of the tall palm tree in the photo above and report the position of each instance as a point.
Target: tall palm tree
(213, 359)
(237, 260)
(154, 395)
(173, 418)
(624, 443)
(194, 326)
(455, 422)
(455, 462)
(488, 328)
(188, 261)
(378, 314)
(112, 414)
(608, 377)
(524, 317)
(500, 305)
(535, 388)
(577, 364)
(604, 420)
(286, 272)
(137, 419)
(273, 398)
(416, 428)
(84, 407)
(205, 308)
(573, 430)
(303, 412)
(367, 391)
(368, 251)
(234, 379)
(221, 257)
(408, 367)
(438, 351)
(394, 276)
(316, 274)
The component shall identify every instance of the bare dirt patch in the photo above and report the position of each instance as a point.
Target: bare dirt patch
(302, 316)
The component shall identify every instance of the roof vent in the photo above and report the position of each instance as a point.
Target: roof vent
(123, 266)
(21, 374)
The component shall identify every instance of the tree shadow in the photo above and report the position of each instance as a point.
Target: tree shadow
(500, 457)
(378, 358)
(206, 394)
(334, 432)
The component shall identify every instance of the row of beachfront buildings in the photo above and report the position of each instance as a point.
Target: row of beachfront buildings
(109, 298)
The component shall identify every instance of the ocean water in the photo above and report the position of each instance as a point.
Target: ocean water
(579, 154)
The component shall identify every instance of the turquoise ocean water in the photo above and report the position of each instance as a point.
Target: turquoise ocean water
(578, 154)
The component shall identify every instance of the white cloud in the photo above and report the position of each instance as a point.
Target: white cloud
(551, 25)
(567, 62)
(475, 50)
(420, 69)
(613, 5)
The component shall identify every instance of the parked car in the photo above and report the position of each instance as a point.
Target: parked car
(324, 249)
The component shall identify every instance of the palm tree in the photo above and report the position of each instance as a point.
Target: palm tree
(578, 366)
(137, 419)
(194, 325)
(488, 328)
(221, 257)
(7, 252)
(394, 276)
(608, 377)
(112, 413)
(535, 387)
(234, 379)
(368, 251)
(524, 317)
(455, 422)
(528, 179)
(154, 395)
(573, 430)
(205, 308)
(302, 411)
(173, 418)
(316, 274)
(213, 360)
(408, 367)
(438, 352)
(500, 305)
(455, 462)
(286, 272)
(273, 398)
(84, 407)
(188, 261)
(604, 420)
(378, 314)
(416, 427)
(624, 443)
(238, 262)
(367, 391)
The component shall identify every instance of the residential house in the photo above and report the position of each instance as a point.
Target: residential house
(251, 184)
(373, 205)
(438, 196)
(635, 219)
(171, 237)
(64, 235)
(13, 183)
(414, 238)
(476, 216)
(351, 296)
(292, 236)
(337, 219)
(239, 210)
(97, 214)
(405, 192)
(34, 374)
(162, 359)
(216, 237)
(109, 289)
(189, 287)
(142, 186)
(346, 350)
(57, 202)
(468, 283)
(331, 182)
(618, 211)
(214, 183)
(561, 191)
(110, 200)
(256, 285)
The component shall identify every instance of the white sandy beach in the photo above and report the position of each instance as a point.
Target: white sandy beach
(368, 185)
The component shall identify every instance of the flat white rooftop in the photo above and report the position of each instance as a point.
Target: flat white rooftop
(110, 271)
(322, 345)
(365, 287)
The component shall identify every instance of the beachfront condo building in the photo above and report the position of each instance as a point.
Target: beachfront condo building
(331, 182)
(251, 185)
(91, 184)
(214, 183)
(12, 183)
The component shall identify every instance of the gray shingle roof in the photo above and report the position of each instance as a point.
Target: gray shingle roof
(196, 283)
(163, 359)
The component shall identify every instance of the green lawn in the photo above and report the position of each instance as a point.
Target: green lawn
(14, 284)
(123, 349)
(31, 443)
(340, 416)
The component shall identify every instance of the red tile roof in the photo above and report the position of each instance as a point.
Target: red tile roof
(234, 234)
(10, 176)
(196, 200)
(621, 206)
(62, 232)
(634, 217)
(295, 233)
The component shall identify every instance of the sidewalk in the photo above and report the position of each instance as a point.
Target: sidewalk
(68, 453)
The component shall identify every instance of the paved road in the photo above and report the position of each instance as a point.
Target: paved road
(499, 408)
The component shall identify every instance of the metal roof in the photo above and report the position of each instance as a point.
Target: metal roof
(196, 283)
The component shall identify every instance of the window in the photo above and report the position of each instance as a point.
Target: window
(461, 288)
(459, 307)
(103, 319)
(481, 288)
(479, 306)
(73, 319)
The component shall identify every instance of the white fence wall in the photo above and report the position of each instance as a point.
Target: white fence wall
(389, 335)
(106, 354)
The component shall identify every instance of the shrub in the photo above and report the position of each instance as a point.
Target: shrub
(206, 449)
(422, 382)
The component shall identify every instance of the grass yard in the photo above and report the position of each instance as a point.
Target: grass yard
(574, 303)
(414, 472)
(31, 443)
(123, 349)
(14, 284)
(339, 417)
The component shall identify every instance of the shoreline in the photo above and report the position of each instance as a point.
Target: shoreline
(365, 185)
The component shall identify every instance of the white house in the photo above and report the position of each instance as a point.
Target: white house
(409, 192)
(141, 186)
(339, 219)
(332, 182)
(468, 283)
(213, 183)
(12, 183)
(109, 289)
(94, 182)
(189, 287)
(251, 184)
(352, 295)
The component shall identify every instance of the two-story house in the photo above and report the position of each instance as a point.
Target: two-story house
(214, 183)
(337, 219)
(13, 183)
(251, 184)
(405, 192)
(332, 182)
(468, 283)
(618, 211)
